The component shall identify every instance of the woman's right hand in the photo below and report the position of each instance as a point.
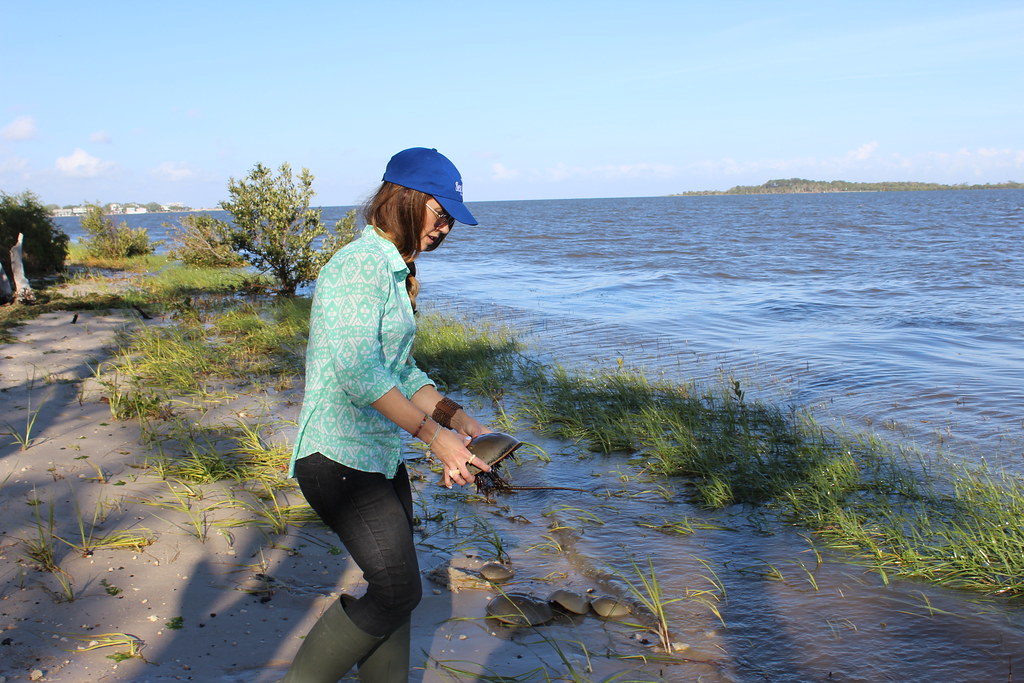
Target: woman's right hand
(450, 449)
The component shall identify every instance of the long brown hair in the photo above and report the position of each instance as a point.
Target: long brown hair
(398, 212)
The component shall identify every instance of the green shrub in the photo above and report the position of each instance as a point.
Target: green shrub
(204, 241)
(276, 230)
(106, 239)
(45, 247)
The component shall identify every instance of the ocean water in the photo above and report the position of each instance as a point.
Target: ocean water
(897, 313)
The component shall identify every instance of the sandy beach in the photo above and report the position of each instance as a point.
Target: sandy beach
(208, 591)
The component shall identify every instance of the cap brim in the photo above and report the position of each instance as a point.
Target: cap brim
(456, 210)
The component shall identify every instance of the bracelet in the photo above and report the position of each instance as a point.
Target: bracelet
(431, 442)
(444, 411)
(422, 422)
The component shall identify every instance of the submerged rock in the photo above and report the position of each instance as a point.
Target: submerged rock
(456, 578)
(569, 601)
(519, 610)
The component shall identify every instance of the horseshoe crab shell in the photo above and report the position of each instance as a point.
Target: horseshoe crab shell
(496, 572)
(609, 607)
(492, 448)
(519, 610)
(569, 601)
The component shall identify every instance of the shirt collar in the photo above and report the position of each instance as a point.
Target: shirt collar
(395, 259)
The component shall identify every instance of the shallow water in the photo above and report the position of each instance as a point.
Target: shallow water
(786, 613)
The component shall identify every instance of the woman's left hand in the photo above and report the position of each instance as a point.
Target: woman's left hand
(468, 426)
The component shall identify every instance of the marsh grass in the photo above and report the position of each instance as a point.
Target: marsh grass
(79, 255)
(39, 549)
(24, 437)
(187, 363)
(175, 281)
(201, 454)
(257, 459)
(88, 541)
(482, 359)
(484, 537)
(645, 587)
(267, 511)
(185, 502)
(963, 528)
(95, 641)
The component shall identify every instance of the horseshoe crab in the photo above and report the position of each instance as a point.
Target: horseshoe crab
(569, 601)
(492, 448)
(496, 572)
(609, 607)
(519, 610)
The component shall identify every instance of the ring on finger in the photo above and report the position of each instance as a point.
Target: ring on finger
(453, 473)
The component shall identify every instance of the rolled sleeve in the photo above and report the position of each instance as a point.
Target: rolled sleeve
(412, 379)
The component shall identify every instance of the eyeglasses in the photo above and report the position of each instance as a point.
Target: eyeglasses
(443, 218)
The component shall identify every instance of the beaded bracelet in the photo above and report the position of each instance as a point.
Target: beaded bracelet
(431, 442)
(422, 422)
(444, 411)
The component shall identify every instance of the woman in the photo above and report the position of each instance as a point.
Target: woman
(362, 387)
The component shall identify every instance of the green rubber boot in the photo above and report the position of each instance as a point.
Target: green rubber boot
(333, 646)
(389, 663)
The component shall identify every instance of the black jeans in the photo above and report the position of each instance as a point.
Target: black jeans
(373, 517)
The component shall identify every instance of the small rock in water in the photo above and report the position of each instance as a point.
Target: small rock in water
(609, 607)
(496, 572)
(569, 601)
(519, 610)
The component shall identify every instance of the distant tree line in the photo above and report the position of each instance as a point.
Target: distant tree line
(800, 185)
(151, 207)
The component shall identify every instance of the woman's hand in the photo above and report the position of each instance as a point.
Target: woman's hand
(450, 449)
(468, 426)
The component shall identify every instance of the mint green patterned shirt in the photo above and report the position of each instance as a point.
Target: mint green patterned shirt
(361, 331)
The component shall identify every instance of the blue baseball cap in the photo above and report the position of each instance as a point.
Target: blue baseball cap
(427, 170)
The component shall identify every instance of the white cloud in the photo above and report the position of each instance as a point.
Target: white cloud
(173, 171)
(562, 171)
(863, 164)
(21, 128)
(13, 165)
(501, 172)
(101, 137)
(80, 164)
(976, 163)
(864, 152)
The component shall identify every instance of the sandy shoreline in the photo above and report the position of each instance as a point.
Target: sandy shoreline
(230, 608)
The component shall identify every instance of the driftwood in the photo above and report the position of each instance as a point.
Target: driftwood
(23, 290)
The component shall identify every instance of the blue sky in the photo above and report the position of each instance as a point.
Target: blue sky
(117, 101)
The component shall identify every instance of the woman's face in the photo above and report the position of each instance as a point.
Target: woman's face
(436, 225)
